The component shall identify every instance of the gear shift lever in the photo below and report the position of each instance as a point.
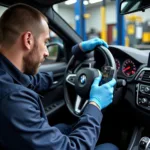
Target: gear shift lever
(144, 143)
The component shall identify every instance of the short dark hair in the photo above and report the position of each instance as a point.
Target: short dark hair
(17, 19)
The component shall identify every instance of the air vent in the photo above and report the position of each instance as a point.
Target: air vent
(146, 76)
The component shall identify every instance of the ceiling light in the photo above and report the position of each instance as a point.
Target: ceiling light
(69, 2)
(94, 1)
(85, 2)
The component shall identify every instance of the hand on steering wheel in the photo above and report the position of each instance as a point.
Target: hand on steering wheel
(102, 95)
(91, 44)
(81, 78)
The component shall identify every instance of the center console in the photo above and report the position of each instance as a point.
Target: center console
(140, 139)
(143, 89)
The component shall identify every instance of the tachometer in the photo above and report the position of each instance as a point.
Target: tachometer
(117, 64)
(129, 68)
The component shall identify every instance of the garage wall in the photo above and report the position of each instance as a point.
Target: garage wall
(67, 14)
(95, 20)
(145, 15)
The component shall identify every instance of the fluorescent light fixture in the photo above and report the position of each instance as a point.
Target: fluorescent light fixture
(69, 2)
(94, 1)
(85, 2)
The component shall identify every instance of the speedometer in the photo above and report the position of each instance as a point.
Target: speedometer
(129, 68)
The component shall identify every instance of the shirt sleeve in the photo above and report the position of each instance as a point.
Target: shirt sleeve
(41, 82)
(29, 128)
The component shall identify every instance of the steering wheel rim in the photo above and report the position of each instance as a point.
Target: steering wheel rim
(109, 59)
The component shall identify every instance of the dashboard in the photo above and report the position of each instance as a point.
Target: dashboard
(128, 60)
(132, 66)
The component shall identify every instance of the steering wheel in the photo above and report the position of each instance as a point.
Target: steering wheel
(80, 80)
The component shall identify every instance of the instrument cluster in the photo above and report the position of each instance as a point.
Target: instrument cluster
(127, 67)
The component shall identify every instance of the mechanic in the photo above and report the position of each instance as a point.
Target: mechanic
(24, 32)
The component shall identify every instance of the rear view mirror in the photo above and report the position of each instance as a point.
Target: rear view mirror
(129, 6)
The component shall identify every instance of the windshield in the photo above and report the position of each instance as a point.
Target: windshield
(137, 25)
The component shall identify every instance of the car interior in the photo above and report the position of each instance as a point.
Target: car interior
(126, 120)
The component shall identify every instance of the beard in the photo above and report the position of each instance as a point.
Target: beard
(31, 61)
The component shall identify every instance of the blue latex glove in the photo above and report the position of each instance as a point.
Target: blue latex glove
(91, 44)
(102, 95)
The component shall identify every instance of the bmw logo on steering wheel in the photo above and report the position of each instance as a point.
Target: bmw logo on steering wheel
(82, 79)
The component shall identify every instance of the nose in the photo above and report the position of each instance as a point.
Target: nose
(46, 54)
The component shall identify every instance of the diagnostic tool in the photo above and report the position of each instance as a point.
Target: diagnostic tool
(107, 74)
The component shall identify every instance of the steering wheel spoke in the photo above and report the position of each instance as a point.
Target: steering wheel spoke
(71, 79)
(79, 107)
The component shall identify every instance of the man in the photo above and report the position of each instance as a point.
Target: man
(23, 124)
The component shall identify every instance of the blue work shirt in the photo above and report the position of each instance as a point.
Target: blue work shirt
(23, 123)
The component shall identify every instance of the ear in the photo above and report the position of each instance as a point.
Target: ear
(28, 40)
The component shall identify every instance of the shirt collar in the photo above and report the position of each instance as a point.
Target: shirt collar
(17, 75)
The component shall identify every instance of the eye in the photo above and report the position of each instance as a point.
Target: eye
(46, 43)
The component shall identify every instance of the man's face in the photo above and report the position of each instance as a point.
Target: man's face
(39, 52)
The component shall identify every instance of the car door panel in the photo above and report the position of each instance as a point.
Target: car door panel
(53, 100)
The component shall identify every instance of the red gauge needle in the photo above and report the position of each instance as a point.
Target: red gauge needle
(126, 68)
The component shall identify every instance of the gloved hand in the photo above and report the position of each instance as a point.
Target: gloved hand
(91, 44)
(102, 95)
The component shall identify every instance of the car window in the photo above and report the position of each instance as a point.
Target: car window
(55, 49)
(137, 25)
